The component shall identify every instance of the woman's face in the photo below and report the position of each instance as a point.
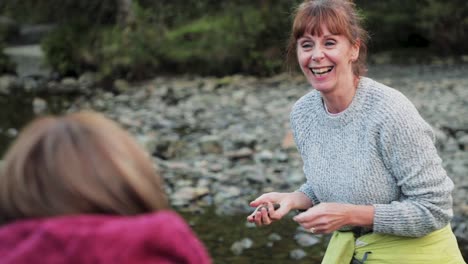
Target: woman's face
(326, 60)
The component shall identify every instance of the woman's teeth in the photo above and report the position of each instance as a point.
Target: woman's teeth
(321, 71)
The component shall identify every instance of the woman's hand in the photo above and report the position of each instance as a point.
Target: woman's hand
(328, 217)
(266, 214)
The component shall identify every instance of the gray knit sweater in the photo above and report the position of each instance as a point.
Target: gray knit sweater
(378, 152)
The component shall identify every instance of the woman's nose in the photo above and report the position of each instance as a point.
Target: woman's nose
(317, 54)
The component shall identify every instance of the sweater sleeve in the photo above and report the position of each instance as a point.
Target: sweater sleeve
(409, 153)
(308, 190)
(295, 118)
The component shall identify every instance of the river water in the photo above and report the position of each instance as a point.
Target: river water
(219, 233)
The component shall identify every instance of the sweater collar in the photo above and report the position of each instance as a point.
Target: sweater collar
(353, 111)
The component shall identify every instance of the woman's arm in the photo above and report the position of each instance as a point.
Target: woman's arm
(328, 217)
(408, 150)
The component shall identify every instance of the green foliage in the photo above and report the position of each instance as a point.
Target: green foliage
(211, 44)
(64, 49)
(446, 25)
(418, 28)
(6, 65)
(212, 37)
(60, 11)
(130, 52)
(247, 40)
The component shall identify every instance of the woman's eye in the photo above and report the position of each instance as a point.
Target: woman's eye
(306, 45)
(329, 43)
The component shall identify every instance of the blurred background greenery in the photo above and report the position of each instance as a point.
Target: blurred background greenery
(137, 39)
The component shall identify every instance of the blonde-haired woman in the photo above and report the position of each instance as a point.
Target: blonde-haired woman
(79, 189)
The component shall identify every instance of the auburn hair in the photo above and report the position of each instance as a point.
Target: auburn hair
(339, 17)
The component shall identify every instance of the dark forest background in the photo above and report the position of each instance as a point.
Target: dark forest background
(137, 39)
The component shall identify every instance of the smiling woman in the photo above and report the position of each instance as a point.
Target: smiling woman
(374, 177)
(326, 60)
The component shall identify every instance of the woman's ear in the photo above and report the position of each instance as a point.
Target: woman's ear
(355, 50)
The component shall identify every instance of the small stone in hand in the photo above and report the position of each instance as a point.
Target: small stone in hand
(275, 206)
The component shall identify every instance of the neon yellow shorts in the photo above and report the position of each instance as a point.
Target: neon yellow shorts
(437, 247)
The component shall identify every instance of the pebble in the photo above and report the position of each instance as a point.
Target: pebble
(297, 254)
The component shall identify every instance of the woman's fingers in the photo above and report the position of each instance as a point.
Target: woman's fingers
(263, 199)
(260, 216)
(266, 220)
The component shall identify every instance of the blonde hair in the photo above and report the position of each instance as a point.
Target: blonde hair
(340, 17)
(74, 164)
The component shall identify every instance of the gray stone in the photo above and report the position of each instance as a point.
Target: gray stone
(274, 237)
(39, 105)
(87, 80)
(121, 85)
(306, 239)
(12, 132)
(297, 254)
(240, 153)
(463, 140)
(226, 192)
(9, 84)
(238, 247)
(451, 145)
(69, 85)
(210, 144)
(264, 156)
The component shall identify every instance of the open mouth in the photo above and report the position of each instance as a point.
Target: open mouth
(321, 71)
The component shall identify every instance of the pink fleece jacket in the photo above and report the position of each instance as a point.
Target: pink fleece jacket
(161, 237)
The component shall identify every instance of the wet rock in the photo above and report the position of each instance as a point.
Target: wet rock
(210, 144)
(451, 145)
(69, 85)
(9, 84)
(12, 132)
(249, 172)
(87, 80)
(167, 147)
(121, 85)
(441, 137)
(185, 195)
(244, 140)
(226, 192)
(463, 141)
(274, 237)
(239, 246)
(250, 225)
(239, 154)
(297, 254)
(306, 240)
(39, 105)
(264, 156)
(32, 85)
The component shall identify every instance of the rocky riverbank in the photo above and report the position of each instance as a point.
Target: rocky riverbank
(219, 142)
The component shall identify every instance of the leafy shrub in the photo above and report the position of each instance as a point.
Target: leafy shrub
(64, 49)
(6, 65)
(419, 28)
(212, 37)
(128, 53)
(236, 41)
